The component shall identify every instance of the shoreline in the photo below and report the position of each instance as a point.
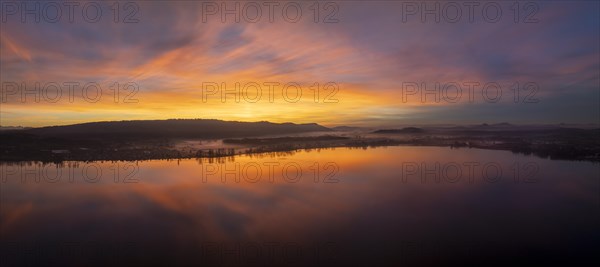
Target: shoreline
(288, 151)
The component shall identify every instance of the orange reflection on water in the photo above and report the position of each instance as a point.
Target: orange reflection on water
(355, 195)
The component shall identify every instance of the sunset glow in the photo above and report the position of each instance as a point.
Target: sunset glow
(371, 68)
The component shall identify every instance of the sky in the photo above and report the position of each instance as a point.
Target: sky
(375, 63)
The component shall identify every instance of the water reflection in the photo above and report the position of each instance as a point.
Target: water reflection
(381, 206)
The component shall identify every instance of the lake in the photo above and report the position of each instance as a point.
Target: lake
(385, 206)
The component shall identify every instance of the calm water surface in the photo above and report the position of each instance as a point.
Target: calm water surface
(394, 206)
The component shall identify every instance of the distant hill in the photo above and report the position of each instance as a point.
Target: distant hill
(174, 128)
(407, 130)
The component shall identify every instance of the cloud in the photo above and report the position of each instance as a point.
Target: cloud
(370, 51)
